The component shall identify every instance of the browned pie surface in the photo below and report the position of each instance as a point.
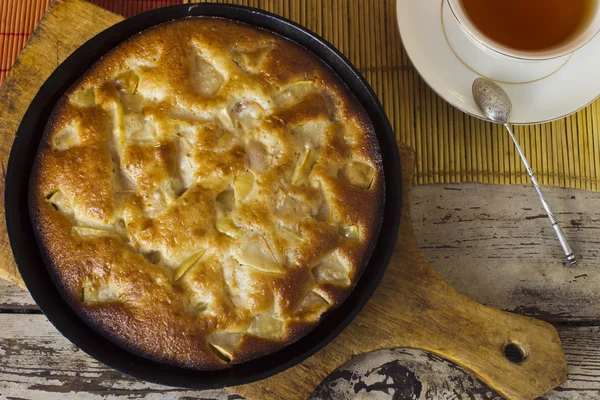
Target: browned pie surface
(207, 192)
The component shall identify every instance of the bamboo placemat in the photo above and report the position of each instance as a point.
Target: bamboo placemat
(450, 146)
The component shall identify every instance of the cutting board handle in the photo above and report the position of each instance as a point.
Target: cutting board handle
(414, 307)
(519, 357)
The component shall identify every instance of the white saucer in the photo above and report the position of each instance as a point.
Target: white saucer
(449, 62)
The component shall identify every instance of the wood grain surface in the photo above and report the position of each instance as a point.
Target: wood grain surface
(507, 256)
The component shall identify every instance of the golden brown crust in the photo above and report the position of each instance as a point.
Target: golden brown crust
(207, 192)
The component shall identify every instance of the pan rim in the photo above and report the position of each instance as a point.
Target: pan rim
(98, 346)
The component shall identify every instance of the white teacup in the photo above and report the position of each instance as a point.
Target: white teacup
(563, 49)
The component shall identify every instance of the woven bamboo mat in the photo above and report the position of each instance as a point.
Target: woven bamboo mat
(450, 146)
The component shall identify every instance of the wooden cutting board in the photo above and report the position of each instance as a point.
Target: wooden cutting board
(413, 307)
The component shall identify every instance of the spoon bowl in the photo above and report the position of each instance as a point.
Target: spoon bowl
(492, 100)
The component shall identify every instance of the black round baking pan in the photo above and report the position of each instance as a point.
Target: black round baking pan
(31, 262)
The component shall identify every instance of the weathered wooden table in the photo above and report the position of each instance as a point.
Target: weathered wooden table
(491, 242)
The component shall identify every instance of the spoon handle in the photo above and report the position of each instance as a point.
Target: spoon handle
(571, 260)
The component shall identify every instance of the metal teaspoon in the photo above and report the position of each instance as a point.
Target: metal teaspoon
(495, 105)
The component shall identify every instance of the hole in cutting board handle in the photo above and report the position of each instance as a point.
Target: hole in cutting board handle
(514, 353)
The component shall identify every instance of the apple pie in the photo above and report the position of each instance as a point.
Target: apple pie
(206, 193)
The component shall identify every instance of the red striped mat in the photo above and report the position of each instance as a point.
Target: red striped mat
(18, 19)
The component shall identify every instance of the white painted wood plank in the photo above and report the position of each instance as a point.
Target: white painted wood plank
(495, 244)
(36, 362)
(13, 297)
(582, 348)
